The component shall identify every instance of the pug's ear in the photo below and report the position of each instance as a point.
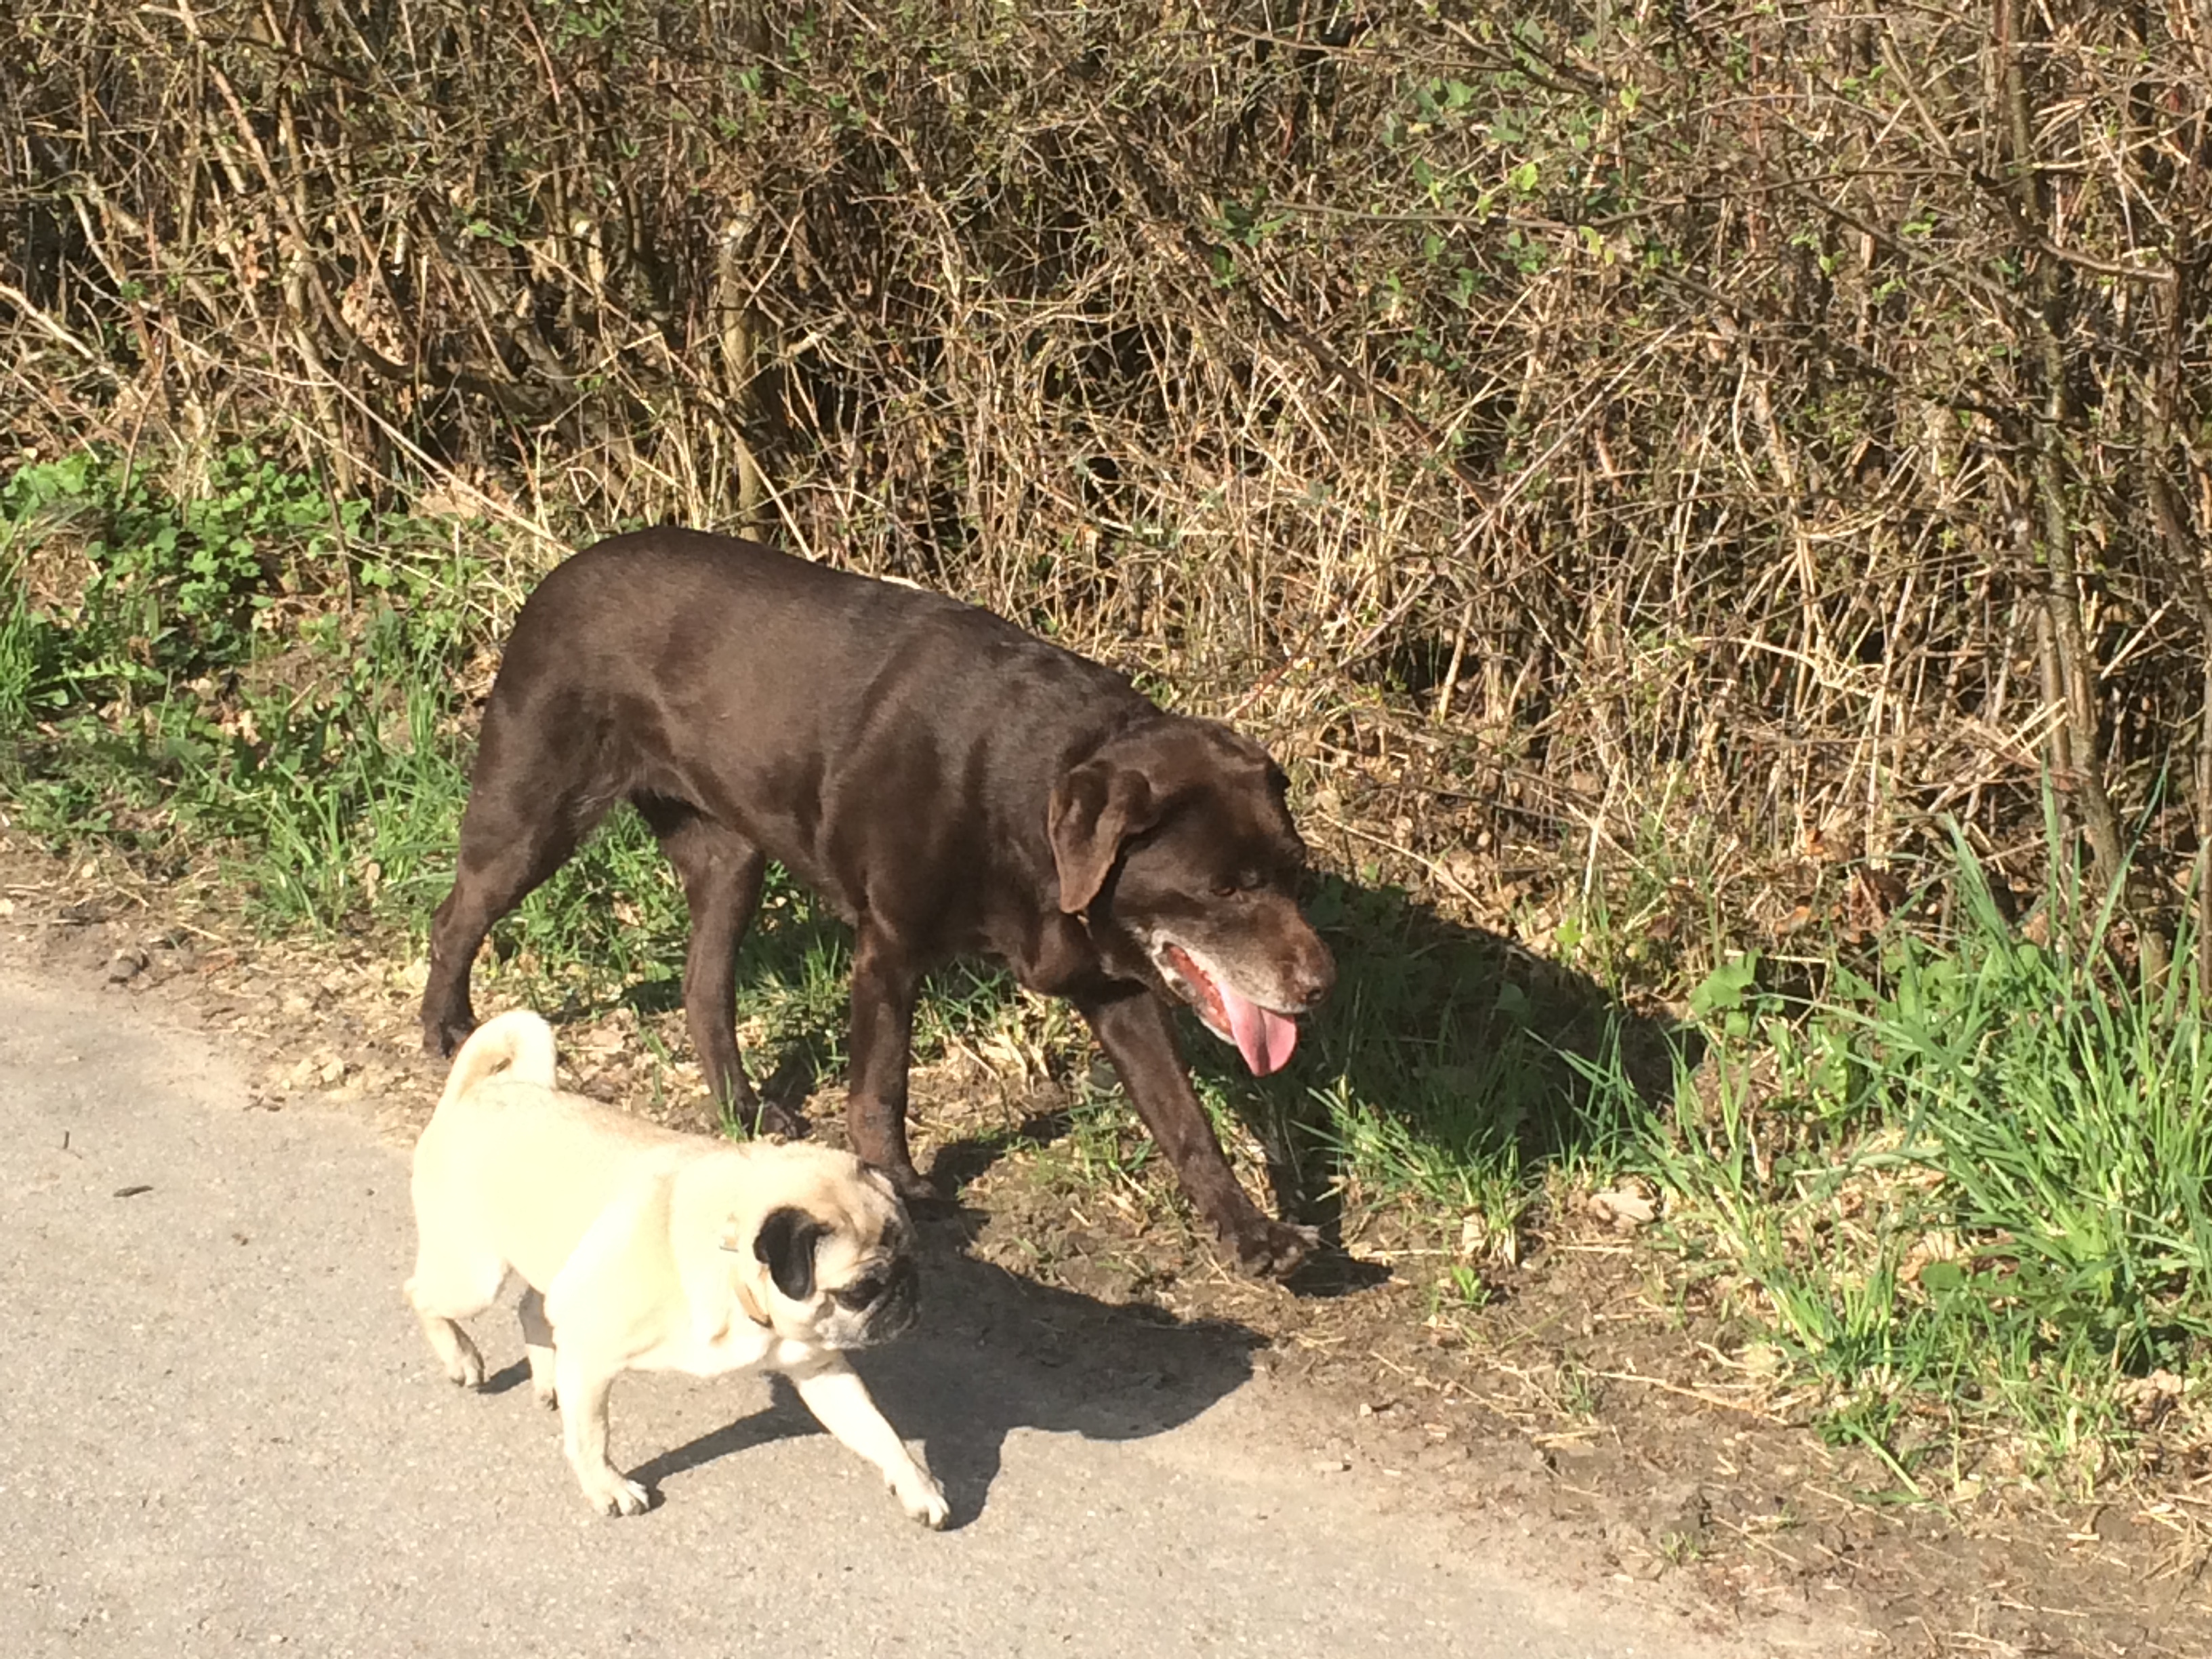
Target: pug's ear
(785, 1245)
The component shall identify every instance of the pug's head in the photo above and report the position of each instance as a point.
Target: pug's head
(833, 1257)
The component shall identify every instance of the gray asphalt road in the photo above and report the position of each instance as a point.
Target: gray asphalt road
(223, 1433)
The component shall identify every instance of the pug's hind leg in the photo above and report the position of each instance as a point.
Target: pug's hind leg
(537, 1343)
(840, 1403)
(450, 1286)
(583, 1395)
(456, 1350)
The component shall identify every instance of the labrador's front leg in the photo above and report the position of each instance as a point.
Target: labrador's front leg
(886, 982)
(1134, 1029)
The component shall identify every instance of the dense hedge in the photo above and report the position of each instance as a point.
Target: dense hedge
(1699, 438)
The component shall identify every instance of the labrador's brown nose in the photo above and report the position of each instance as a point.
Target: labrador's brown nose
(1315, 975)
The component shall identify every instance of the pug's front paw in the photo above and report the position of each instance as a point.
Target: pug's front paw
(923, 1499)
(609, 1493)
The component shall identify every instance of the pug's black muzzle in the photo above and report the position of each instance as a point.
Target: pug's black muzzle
(898, 1307)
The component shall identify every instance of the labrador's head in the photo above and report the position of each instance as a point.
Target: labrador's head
(1173, 841)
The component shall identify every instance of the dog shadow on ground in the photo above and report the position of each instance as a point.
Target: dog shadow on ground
(996, 1353)
(1445, 1047)
(1444, 1050)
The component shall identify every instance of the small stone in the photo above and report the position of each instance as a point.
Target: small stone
(1624, 1206)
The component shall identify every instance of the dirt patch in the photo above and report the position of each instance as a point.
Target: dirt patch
(1586, 1401)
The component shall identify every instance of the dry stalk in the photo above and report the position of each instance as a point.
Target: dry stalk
(1666, 452)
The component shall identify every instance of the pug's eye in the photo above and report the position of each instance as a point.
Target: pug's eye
(861, 1293)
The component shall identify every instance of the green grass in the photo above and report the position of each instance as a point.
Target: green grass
(1961, 1190)
(258, 686)
(1967, 1195)
(1439, 1083)
(164, 686)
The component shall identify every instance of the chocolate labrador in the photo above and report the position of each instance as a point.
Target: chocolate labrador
(946, 781)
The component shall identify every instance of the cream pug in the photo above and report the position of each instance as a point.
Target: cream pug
(646, 1250)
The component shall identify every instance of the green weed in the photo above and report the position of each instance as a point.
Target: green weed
(169, 690)
(258, 683)
(1970, 1190)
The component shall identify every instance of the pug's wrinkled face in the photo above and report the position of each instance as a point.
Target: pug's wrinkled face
(841, 1275)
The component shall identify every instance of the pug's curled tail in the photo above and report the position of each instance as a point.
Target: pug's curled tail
(517, 1041)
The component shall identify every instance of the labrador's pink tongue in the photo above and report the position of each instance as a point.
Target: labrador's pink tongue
(1264, 1038)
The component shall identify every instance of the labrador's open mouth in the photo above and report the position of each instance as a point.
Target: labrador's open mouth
(1263, 1036)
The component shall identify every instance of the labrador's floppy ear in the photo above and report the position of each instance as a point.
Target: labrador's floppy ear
(785, 1244)
(1095, 808)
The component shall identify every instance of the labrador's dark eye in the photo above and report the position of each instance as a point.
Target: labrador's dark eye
(861, 1293)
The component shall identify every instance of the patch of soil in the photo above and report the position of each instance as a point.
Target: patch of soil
(1584, 1402)
(1584, 1396)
